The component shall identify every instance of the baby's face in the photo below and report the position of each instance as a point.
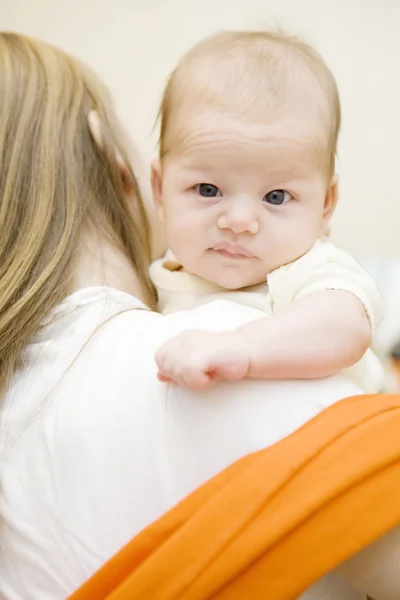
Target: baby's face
(239, 200)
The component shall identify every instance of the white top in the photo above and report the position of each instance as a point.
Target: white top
(94, 448)
(323, 267)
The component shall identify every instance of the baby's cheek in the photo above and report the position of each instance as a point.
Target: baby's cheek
(184, 240)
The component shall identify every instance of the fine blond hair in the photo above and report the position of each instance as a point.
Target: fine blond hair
(56, 183)
(251, 68)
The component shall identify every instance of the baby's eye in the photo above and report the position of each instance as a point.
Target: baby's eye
(207, 190)
(277, 197)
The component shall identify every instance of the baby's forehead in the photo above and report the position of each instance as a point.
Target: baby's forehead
(220, 143)
(214, 127)
(258, 91)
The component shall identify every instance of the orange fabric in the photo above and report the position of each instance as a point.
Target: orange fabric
(275, 521)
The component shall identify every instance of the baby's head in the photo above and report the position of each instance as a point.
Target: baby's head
(245, 182)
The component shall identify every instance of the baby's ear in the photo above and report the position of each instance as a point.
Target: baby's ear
(331, 199)
(156, 186)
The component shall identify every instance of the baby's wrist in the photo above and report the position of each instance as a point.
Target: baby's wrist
(252, 351)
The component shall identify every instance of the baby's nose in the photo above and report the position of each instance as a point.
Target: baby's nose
(240, 217)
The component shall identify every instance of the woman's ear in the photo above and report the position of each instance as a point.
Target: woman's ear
(331, 199)
(156, 186)
(95, 130)
(94, 127)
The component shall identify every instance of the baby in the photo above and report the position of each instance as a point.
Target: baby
(246, 187)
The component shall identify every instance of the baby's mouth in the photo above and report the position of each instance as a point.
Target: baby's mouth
(233, 251)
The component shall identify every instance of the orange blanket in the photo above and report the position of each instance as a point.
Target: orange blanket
(275, 521)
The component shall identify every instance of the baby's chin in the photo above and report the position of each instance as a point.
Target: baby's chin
(229, 275)
(233, 279)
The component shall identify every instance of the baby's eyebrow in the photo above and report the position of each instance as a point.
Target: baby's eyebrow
(275, 170)
(202, 166)
(204, 162)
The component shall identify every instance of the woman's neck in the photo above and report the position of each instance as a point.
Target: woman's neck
(100, 263)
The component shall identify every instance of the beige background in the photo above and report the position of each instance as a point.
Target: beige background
(133, 44)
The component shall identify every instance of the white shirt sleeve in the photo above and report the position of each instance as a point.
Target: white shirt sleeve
(325, 267)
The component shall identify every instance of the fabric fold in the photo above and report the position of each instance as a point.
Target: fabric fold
(274, 522)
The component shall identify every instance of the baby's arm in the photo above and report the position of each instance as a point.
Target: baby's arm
(318, 335)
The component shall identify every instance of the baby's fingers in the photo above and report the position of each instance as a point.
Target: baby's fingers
(163, 378)
(196, 379)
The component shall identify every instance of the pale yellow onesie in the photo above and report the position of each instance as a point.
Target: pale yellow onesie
(323, 267)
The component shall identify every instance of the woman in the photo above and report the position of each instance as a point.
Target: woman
(93, 447)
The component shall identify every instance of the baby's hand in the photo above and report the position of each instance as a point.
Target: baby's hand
(197, 359)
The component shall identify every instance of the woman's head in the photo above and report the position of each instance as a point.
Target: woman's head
(57, 184)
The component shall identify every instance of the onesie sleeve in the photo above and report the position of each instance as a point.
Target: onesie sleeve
(325, 267)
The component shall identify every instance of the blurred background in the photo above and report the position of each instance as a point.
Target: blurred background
(134, 44)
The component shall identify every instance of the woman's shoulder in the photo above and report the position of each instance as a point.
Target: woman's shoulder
(95, 312)
(108, 335)
(127, 321)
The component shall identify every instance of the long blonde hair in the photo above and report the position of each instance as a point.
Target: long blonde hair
(55, 182)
